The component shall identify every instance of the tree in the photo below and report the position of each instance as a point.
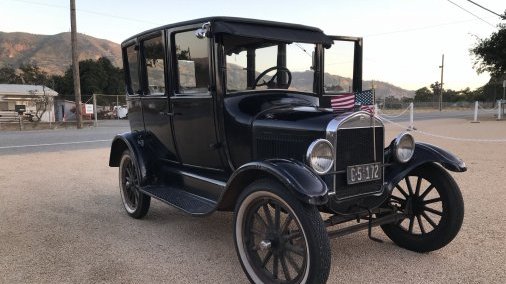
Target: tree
(97, 77)
(8, 76)
(490, 53)
(42, 103)
(33, 75)
(423, 95)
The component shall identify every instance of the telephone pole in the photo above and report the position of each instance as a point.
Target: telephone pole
(441, 87)
(75, 63)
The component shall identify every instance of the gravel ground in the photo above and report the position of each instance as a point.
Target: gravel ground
(61, 220)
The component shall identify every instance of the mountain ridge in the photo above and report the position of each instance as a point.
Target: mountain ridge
(52, 53)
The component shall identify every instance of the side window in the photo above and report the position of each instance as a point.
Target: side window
(192, 61)
(133, 86)
(154, 59)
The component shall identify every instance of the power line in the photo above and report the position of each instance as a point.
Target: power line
(87, 11)
(420, 28)
(501, 16)
(470, 12)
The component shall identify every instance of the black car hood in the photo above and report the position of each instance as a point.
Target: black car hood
(294, 118)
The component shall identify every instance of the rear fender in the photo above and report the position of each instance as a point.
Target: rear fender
(424, 153)
(293, 175)
(134, 142)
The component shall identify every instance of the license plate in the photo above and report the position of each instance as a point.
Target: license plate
(364, 173)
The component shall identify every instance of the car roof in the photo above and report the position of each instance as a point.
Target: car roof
(230, 20)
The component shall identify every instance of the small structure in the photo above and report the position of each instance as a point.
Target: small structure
(29, 98)
(65, 110)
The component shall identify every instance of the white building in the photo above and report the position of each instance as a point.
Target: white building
(12, 95)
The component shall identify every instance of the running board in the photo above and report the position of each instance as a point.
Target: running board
(181, 199)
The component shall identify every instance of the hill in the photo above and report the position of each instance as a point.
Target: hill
(52, 53)
(382, 89)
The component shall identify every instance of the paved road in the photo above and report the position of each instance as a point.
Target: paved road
(18, 142)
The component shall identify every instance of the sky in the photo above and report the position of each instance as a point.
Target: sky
(403, 39)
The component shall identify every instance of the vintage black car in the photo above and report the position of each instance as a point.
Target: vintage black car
(234, 115)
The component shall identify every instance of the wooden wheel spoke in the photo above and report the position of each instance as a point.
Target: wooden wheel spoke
(268, 215)
(284, 266)
(401, 190)
(260, 219)
(420, 224)
(433, 200)
(431, 222)
(408, 184)
(256, 232)
(287, 222)
(294, 249)
(400, 200)
(411, 223)
(418, 184)
(277, 216)
(293, 264)
(275, 267)
(433, 211)
(266, 258)
(427, 191)
(293, 235)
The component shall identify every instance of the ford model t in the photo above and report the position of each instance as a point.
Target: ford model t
(235, 115)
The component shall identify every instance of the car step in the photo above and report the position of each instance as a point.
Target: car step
(188, 202)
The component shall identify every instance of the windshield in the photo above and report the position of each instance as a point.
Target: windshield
(258, 64)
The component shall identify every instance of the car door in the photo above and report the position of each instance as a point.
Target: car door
(155, 101)
(193, 103)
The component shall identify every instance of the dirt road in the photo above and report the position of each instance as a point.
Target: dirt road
(61, 220)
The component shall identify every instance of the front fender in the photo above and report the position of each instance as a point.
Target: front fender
(293, 175)
(424, 153)
(132, 141)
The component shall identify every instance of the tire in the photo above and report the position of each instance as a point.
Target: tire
(271, 247)
(135, 202)
(435, 214)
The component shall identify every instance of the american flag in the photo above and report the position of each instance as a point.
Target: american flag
(343, 102)
(347, 101)
(365, 100)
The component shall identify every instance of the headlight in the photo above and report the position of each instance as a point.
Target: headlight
(320, 156)
(404, 147)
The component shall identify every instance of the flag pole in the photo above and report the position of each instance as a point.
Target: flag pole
(373, 117)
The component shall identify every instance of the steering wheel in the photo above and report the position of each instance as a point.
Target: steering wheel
(271, 84)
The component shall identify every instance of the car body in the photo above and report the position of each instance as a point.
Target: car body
(235, 114)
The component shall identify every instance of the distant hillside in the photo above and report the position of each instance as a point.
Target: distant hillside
(52, 53)
(382, 89)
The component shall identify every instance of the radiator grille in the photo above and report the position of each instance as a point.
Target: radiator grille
(354, 147)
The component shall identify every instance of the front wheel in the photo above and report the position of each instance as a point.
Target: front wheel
(278, 238)
(434, 210)
(135, 202)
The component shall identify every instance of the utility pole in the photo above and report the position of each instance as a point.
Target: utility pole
(75, 63)
(441, 87)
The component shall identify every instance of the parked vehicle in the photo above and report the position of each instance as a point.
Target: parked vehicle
(234, 115)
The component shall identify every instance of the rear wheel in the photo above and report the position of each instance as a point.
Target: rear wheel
(434, 207)
(135, 202)
(278, 238)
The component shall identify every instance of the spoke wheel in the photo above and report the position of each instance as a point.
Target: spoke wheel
(278, 243)
(136, 203)
(434, 209)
